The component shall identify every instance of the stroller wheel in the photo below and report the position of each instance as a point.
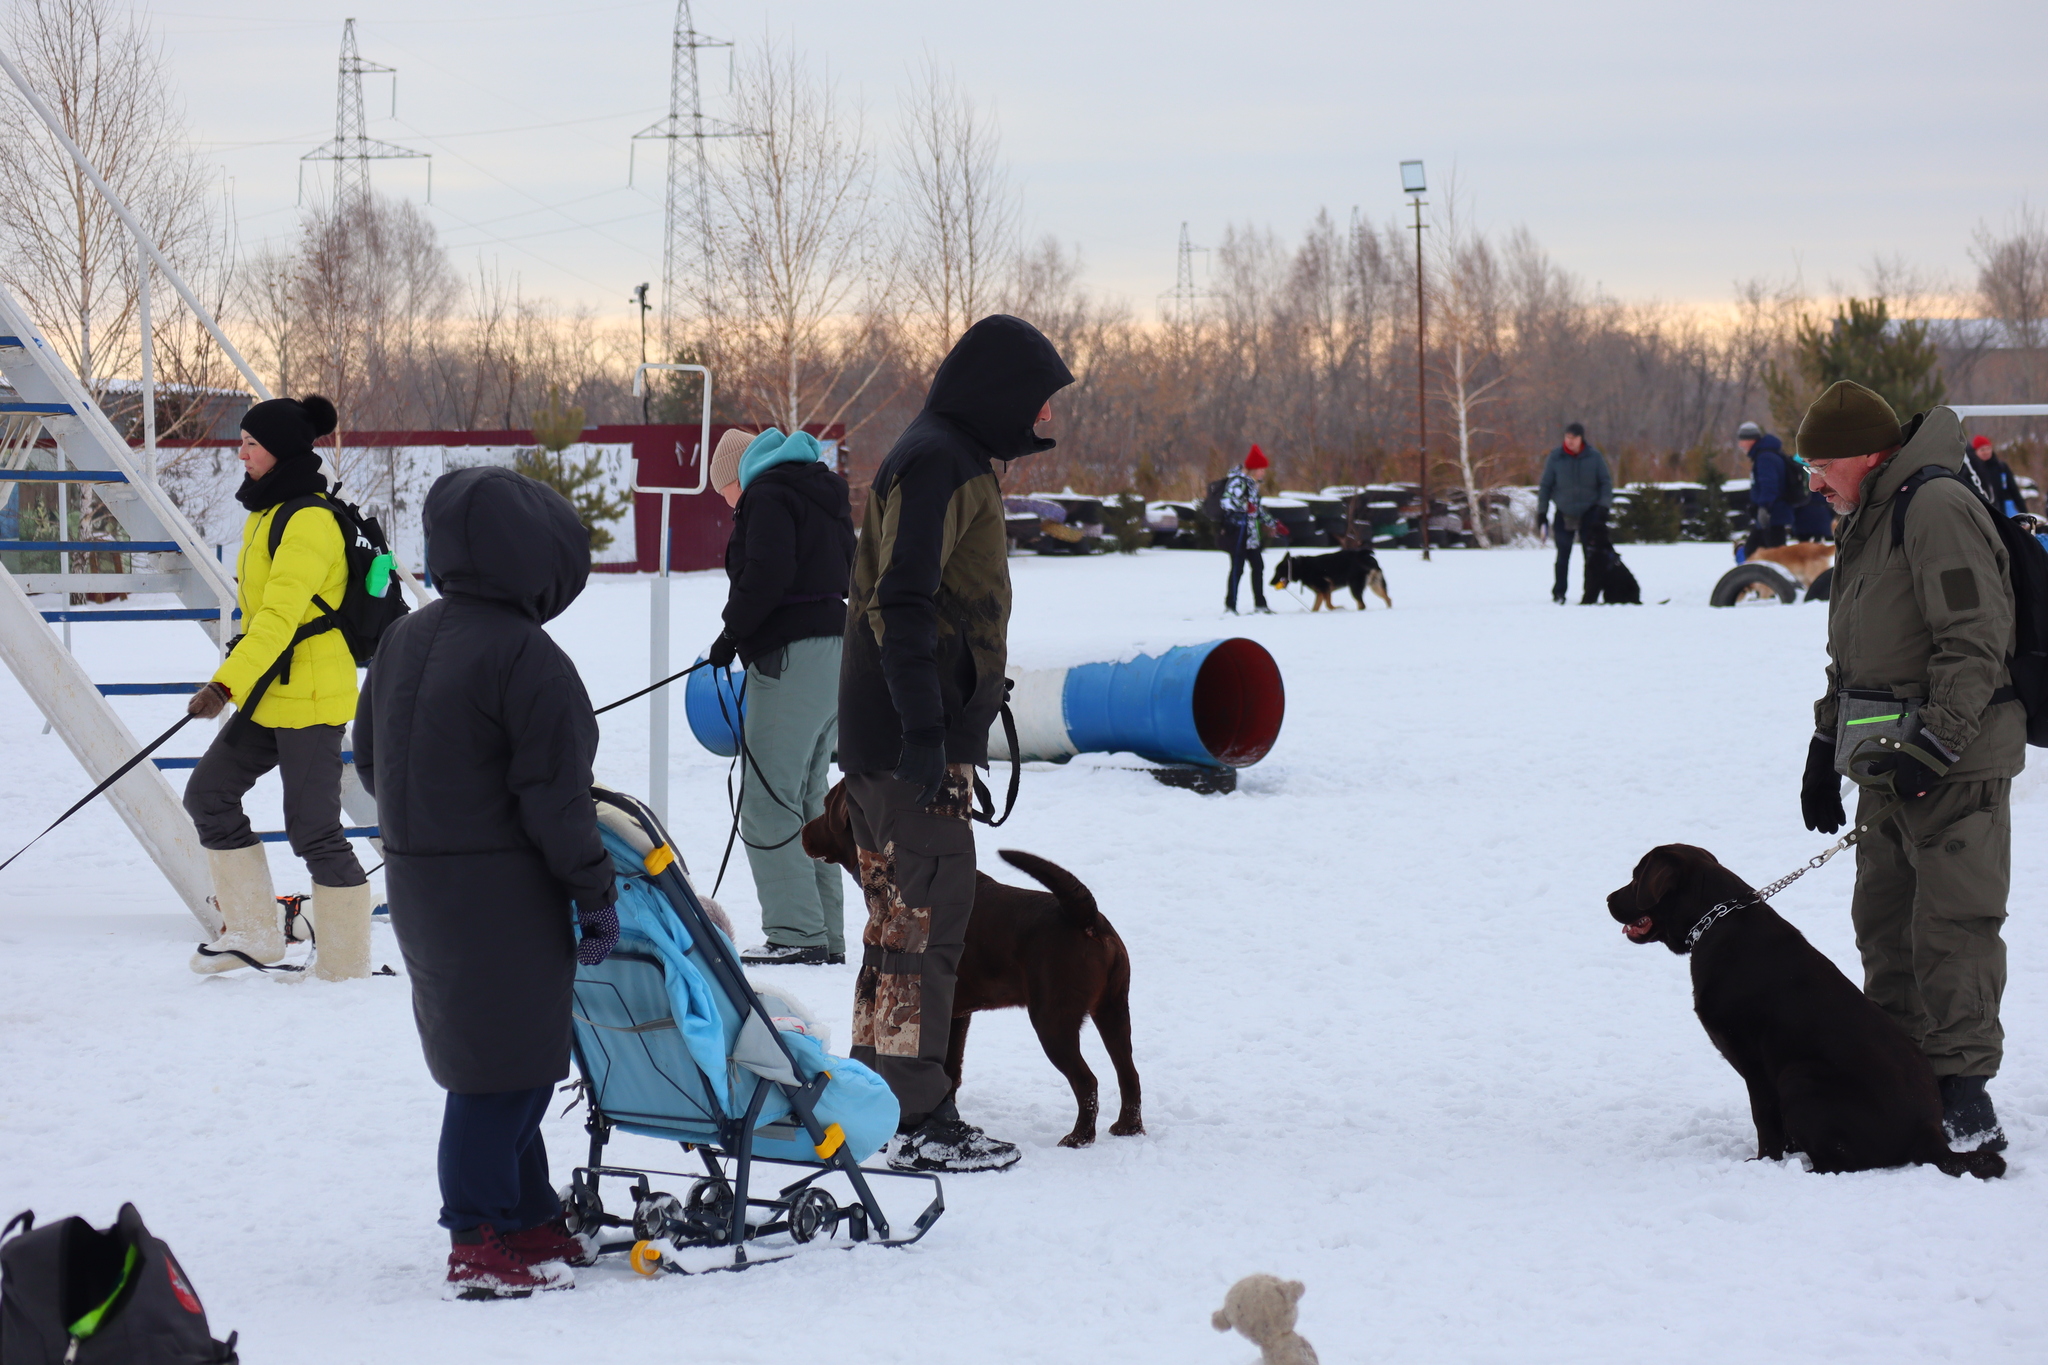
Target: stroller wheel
(657, 1215)
(582, 1210)
(645, 1258)
(707, 1211)
(812, 1213)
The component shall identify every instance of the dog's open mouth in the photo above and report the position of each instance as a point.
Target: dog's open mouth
(1639, 929)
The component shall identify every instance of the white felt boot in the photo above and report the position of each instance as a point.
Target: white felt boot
(341, 932)
(248, 911)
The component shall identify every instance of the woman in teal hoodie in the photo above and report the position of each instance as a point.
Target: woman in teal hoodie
(789, 560)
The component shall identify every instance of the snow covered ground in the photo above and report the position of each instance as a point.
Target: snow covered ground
(1392, 1045)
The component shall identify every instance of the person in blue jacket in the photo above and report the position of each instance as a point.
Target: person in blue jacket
(1768, 486)
(1993, 478)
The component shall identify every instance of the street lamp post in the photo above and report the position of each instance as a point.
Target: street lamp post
(1413, 185)
(640, 297)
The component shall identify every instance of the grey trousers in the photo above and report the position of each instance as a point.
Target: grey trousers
(792, 728)
(917, 873)
(1930, 903)
(309, 761)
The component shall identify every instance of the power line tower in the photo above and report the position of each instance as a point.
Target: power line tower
(1183, 300)
(352, 149)
(687, 209)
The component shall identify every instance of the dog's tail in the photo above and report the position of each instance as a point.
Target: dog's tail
(1075, 899)
(1984, 1165)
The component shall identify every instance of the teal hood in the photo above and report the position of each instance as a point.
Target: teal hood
(772, 448)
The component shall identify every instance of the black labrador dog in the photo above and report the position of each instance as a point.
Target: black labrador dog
(1606, 576)
(1829, 1073)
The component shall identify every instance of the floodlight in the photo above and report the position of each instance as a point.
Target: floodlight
(1411, 178)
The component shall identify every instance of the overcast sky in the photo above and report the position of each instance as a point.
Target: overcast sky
(1659, 151)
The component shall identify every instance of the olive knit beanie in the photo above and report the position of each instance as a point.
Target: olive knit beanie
(1846, 421)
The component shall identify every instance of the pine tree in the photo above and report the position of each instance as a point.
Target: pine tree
(1713, 523)
(555, 429)
(1860, 342)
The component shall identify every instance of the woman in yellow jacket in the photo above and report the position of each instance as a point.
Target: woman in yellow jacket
(304, 694)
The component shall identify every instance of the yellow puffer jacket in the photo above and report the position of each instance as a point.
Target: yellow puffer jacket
(276, 597)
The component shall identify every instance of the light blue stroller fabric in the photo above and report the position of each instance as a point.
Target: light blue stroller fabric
(669, 1055)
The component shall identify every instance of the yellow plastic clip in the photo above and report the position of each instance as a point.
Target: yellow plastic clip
(835, 1138)
(645, 1258)
(658, 859)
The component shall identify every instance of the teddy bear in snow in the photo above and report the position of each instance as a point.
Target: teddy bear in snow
(1261, 1307)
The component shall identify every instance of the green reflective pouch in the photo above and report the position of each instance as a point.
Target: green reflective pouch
(1863, 717)
(378, 581)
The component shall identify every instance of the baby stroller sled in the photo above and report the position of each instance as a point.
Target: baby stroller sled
(673, 1042)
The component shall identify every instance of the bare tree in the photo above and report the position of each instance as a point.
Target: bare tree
(959, 215)
(2012, 277)
(793, 245)
(1469, 297)
(63, 250)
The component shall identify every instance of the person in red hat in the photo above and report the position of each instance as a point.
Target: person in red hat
(1244, 520)
(1993, 478)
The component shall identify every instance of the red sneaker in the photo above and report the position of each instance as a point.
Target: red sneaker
(549, 1241)
(482, 1266)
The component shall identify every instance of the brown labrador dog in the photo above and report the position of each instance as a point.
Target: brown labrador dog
(1049, 952)
(1829, 1073)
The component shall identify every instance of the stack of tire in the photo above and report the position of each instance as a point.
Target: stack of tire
(1758, 580)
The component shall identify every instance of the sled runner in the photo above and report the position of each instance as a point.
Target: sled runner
(673, 1042)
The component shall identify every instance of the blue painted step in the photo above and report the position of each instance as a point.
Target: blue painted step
(122, 547)
(62, 476)
(148, 689)
(144, 614)
(278, 836)
(41, 409)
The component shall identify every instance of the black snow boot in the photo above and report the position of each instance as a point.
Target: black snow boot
(943, 1143)
(1967, 1116)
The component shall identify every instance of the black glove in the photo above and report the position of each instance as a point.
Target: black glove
(924, 767)
(722, 651)
(1820, 794)
(600, 934)
(1912, 776)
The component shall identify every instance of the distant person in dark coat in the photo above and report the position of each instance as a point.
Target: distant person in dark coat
(1245, 519)
(1993, 478)
(1771, 477)
(789, 558)
(476, 737)
(1575, 478)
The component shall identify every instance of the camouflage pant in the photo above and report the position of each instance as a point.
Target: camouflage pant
(917, 874)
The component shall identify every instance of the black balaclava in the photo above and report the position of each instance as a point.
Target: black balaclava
(287, 428)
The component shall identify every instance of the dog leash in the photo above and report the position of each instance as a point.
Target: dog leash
(112, 778)
(1856, 833)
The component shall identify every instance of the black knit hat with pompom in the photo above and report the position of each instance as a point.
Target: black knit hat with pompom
(287, 427)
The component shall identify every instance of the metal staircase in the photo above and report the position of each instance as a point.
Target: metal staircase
(163, 554)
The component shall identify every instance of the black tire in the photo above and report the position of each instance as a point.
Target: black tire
(812, 1214)
(1821, 586)
(1734, 584)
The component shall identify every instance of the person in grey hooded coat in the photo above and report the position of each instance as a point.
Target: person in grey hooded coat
(476, 737)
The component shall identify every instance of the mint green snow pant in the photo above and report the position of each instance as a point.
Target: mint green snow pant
(792, 729)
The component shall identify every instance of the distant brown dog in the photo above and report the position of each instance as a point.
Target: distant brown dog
(1804, 560)
(1049, 952)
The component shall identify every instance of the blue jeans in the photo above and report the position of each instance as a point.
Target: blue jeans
(494, 1165)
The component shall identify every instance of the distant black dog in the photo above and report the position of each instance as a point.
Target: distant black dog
(1354, 567)
(1829, 1073)
(1606, 575)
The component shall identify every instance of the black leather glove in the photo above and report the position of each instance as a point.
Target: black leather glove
(923, 766)
(1820, 794)
(722, 652)
(1912, 775)
(600, 935)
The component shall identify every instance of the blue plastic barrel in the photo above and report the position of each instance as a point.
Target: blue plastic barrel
(1217, 705)
(715, 704)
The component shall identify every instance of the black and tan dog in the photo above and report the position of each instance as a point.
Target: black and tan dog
(1354, 567)
(1051, 953)
(1829, 1073)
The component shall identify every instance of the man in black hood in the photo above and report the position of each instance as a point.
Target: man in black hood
(476, 737)
(921, 679)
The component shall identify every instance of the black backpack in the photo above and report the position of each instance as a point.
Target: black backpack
(370, 601)
(2027, 561)
(1212, 502)
(1796, 488)
(71, 1293)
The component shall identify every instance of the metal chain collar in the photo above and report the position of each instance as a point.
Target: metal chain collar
(1726, 908)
